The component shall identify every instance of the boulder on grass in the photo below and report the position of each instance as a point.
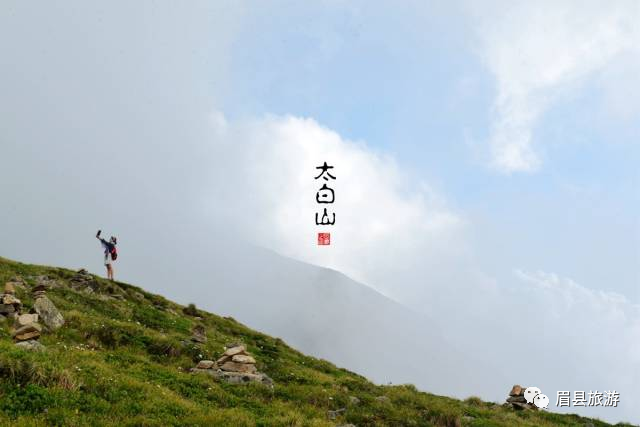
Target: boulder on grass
(48, 312)
(205, 364)
(31, 345)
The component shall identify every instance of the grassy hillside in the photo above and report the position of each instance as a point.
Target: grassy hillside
(123, 358)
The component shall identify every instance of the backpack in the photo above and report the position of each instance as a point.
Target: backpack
(113, 252)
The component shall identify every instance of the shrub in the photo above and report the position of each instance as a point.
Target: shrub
(473, 401)
(191, 310)
(30, 399)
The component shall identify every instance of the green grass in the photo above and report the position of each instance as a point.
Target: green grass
(125, 363)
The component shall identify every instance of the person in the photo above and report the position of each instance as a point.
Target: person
(109, 249)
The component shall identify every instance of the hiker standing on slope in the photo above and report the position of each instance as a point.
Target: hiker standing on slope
(110, 253)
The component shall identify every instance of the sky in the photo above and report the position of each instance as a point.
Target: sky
(486, 154)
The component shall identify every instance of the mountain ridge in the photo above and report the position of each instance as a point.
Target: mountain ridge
(123, 357)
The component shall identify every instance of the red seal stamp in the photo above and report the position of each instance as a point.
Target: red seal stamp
(324, 238)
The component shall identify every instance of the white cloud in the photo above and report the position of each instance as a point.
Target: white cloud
(593, 333)
(384, 221)
(539, 51)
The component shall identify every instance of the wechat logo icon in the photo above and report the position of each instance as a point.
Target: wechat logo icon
(534, 395)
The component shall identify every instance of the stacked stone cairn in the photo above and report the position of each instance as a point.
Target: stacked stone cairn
(26, 330)
(236, 366)
(517, 400)
(27, 327)
(9, 305)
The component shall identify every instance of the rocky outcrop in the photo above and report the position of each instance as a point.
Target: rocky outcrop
(517, 400)
(31, 345)
(46, 282)
(199, 334)
(235, 366)
(332, 415)
(83, 280)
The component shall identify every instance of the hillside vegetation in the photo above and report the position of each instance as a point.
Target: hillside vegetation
(123, 358)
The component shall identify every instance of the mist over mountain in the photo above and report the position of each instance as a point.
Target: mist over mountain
(333, 317)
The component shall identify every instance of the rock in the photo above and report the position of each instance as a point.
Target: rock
(233, 344)
(243, 358)
(45, 282)
(332, 415)
(240, 349)
(84, 281)
(137, 296)
(9, 289)
(31, 345)
(223, 359)
(7, 309)
(27, 328)
(48, 312)
(238, 367)
(517, 400)
(237, 377)
(205, 364)
(199, 334)
(516, 390)
(27, 336)
(40, 288)
(26, 319)
(10, 300)
(38, 294)
(354, 400)
(383, 399)
(235, 366)
(240, 378)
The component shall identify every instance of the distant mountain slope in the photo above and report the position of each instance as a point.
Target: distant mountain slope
(123, 358)
(323, 313)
